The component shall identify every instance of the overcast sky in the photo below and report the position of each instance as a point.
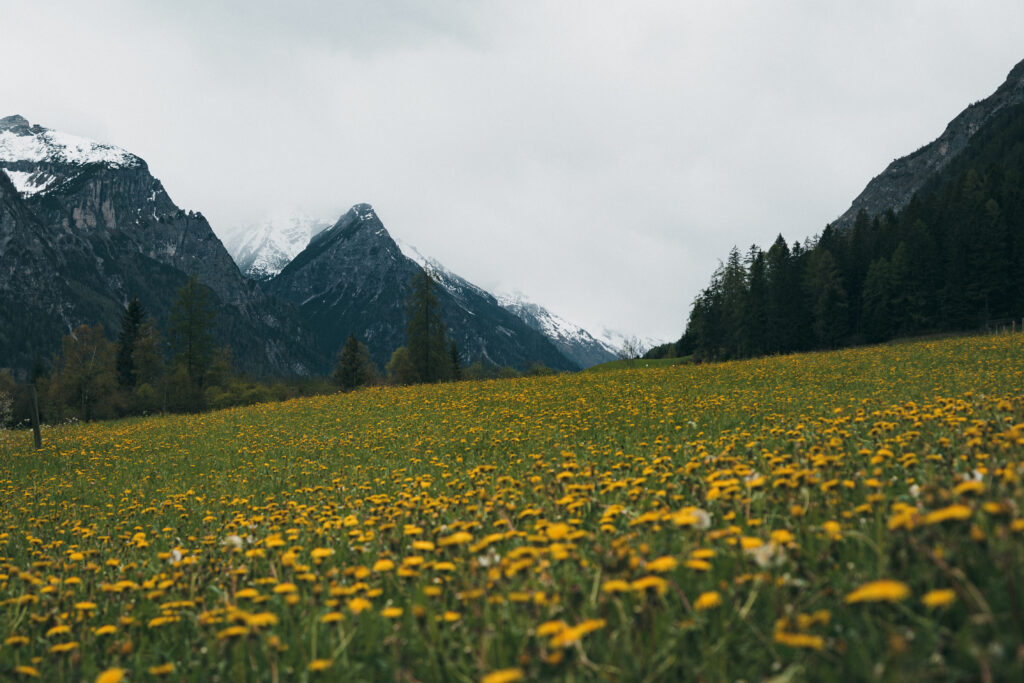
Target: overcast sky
(600, 157)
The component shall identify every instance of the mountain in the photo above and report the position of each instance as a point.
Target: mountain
(262, 250)
(354, 278)
(87, 227)
(894, 187)
(573, 341)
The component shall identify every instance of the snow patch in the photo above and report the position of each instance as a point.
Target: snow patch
(54, 146)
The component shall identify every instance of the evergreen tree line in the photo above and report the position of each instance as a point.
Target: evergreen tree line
(147, 371)
(952, 260)
(144, 371)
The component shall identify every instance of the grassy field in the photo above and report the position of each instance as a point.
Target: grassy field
(639, 363)
(843, 516)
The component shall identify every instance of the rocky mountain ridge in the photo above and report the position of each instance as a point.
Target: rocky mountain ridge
(895, 186)
(354, 279)
(88, 227)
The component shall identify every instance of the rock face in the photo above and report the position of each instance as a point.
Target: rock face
(87, 227)
(353, 278)
(573, 341)
(896, 185)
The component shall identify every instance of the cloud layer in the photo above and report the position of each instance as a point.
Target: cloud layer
(598, 156)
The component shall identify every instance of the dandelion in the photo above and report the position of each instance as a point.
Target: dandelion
(357, 605)
(800, 640)
(504, 676)
(708, 600)
(662, 564)
(940, 597)
(884, 590)
(946, 514)
(113, 675)
(320, 664)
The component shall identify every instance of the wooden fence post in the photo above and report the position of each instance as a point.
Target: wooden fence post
(36, 435)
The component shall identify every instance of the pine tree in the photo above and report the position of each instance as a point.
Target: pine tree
(189, 327)
(131, 323)
(355, 367)
(426, 334)
(453, 354)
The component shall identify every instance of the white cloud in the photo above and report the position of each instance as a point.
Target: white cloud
(598, 156)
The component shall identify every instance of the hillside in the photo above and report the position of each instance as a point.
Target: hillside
(627, 524)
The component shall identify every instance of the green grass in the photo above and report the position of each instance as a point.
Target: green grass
(692, 522)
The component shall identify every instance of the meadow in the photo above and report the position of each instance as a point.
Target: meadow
(853, 515)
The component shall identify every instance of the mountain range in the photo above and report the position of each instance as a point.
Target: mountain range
(85, 226)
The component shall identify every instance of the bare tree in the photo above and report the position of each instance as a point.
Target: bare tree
(631, 349)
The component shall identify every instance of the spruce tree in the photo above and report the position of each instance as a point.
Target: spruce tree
(426, 335)
(348, 370)
(453, 354)
(189, 327)
(131, 324)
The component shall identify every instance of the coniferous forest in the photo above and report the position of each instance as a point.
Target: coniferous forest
(951, 260)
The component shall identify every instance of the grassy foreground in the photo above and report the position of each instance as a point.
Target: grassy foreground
(842, 516)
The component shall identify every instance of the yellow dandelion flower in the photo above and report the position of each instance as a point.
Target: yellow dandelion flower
(883, 590)
(14, 641)
(800, 640)
(952, 513)
(321, 553)
(458, 538)
(85, 606)
(105, 630)
(662, 564)
(357, 605)
(615, 586)
(25, 670)
(550, 628)
(64, 647)
(162, 669)
(232, 631)
(392, 612)
(384, 565)
(504, 676)
(656, 582)
(320, 664)
(261, 619)
(247, 594)
(698, 565)
(286, 587)
(939, 597)
(59, 630)
(113, 675)
(331, 617)
(708, 600)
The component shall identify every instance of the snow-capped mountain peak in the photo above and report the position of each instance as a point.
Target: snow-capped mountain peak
(261, 250)
(35, 158)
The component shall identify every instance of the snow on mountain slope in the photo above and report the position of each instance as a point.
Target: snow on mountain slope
(35, 157)
(451, 282)
(615, 340)
(573, 341)
(263, 249)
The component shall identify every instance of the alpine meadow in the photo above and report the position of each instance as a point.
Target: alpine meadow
(650, 399)
(853, 514)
